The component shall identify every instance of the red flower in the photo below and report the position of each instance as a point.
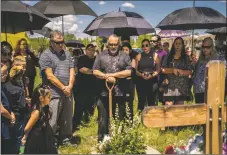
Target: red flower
(169, 150)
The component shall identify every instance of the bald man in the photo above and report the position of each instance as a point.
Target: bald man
(112, 66)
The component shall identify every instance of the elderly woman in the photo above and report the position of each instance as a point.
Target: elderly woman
(208, 53)
(177, 66)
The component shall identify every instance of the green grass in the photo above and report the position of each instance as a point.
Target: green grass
(154, 137)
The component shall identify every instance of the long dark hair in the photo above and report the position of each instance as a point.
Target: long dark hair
(173, 51)
(45, 114)
(17, 49)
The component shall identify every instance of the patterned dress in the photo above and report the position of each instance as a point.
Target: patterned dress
(178, 88)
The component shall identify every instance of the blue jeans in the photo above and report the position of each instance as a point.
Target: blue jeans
(17, 133)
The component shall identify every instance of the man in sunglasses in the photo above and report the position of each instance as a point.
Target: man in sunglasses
(58, 68)
(113, 66)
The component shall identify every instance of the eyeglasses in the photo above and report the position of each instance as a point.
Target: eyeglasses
(112, 44)
(145, 45)
(59, 42)
(207, 47)
(153, 41)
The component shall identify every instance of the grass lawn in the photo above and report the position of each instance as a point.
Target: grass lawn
(154, 137)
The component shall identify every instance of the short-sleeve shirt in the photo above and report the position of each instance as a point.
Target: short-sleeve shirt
(60, 63)
(107, 63)
(85, 82)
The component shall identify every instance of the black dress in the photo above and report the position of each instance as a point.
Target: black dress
(41, 138)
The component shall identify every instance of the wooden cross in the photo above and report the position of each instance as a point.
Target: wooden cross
(213, 114)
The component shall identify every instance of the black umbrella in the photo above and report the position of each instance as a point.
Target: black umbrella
(221, 30)
(19, 17)
(121, 23)
(193, 18)
(60, 8)
(45, 31)
(74, 43)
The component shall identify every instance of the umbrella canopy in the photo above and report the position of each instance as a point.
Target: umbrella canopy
(221, 30)
(45, 31)
(193, 18)
(172, 33)
(59, 8)
(74, 43)
(121, 23)
(19, 17)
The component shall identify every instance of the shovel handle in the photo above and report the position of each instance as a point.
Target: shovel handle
(110, 98)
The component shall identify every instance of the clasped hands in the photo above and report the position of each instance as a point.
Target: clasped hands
(147, 76)
(110, 78)
(67, 90)
(178, 72)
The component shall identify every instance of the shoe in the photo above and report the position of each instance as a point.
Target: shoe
(67, 142)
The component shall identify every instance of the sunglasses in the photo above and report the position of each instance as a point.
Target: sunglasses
(145, 45)
(153, 41)
(44, 90)
(24, 44)
(59, 42)
(207, 47)
(112, 45)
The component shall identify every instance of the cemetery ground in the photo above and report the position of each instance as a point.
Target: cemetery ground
(155, 138)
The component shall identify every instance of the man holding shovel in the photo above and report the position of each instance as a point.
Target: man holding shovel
(113, 66)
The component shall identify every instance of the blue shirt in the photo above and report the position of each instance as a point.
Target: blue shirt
(60, 63)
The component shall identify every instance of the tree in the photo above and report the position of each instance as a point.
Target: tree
(69, 36)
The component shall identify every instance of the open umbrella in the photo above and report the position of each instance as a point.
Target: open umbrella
(121, 23)
(193, 18)
(45, 31)
(221, 30)
(60, 8)
(74, 43)
(172, 33)
(19, 17)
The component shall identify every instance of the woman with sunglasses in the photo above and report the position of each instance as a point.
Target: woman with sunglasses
(177, 67)
(147, 70)
(31, 62)
(207, 54)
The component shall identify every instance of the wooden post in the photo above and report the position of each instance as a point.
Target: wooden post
(215, 106)
(213, 114)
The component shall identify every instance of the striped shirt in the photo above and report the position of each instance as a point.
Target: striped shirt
(60, 64)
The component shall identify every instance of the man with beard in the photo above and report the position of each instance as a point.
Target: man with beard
(113, 66)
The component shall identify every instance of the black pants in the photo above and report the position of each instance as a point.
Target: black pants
(103, 114)
(84, 104)
(147, 91)
(199, 98)
(31, 85)
(6, 146)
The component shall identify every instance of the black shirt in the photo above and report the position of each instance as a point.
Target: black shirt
(16, 97)
(85, 82)
(108, 63)
(133, 54)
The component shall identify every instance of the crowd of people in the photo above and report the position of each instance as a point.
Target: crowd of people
(44, 119)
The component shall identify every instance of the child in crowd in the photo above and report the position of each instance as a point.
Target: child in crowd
(39, 137)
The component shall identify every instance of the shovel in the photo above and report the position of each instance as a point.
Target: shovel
(110, 98)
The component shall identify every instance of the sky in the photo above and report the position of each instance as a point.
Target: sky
(152, 11)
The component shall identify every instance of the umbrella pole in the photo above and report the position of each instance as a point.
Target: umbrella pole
(62, 25)
(5, 26)
(193, 33)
